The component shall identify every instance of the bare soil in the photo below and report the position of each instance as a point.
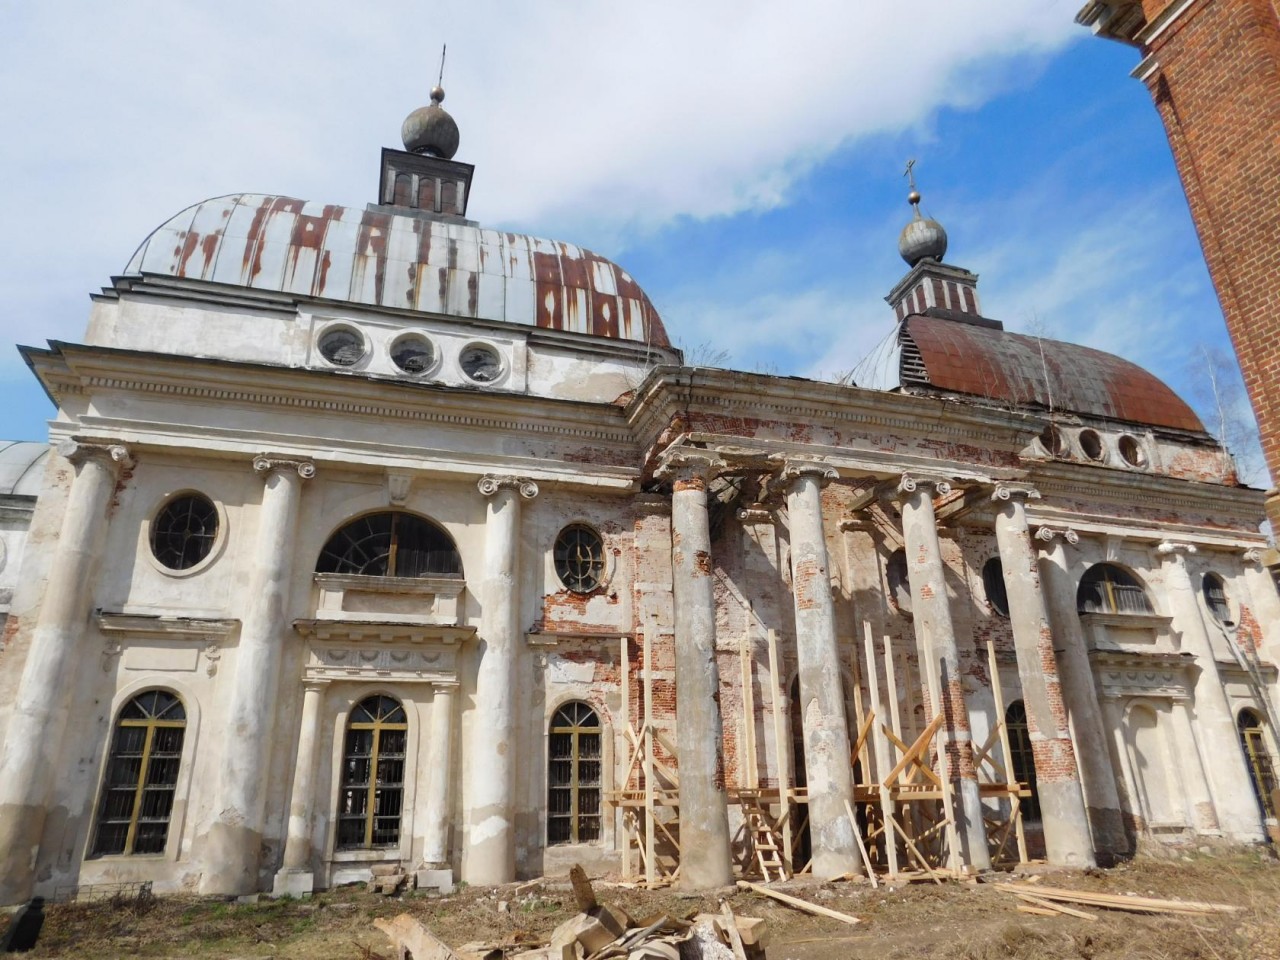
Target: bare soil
(957, 921)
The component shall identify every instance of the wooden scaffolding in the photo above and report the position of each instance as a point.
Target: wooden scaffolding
(903, 810)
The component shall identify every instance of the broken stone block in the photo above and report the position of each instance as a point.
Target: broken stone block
(412, 940)
(385, 869)
(606, 925)
(438, 880)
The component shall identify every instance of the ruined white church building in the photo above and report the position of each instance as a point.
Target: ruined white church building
(375, 537)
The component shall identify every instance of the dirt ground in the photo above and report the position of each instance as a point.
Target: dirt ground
(958, 921)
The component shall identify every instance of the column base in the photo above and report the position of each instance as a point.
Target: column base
(293, 883)
(438, 879)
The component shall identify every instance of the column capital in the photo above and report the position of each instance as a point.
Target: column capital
(491, 483)
(755, 514)
(1252, 555)
(266, 464)
(1173, 550)
(1046, 534)
(314, 686)
(114, 455)
(690, 463)
(793, 468)
(445, 686)
(912, 481)
(1009, 489)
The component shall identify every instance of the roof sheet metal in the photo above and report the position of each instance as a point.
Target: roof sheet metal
(1015, 368)
(407, 262)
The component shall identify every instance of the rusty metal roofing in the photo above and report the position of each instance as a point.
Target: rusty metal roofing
(407, 262)
(1013, 368)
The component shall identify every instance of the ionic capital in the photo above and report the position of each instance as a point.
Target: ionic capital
(491, 483)
(909, 483)
(267, 465)
(1252, 555)
(793, 468)
(1005, 490)
(756, 514)
(114, 455)
(1049, 534)
(689, 463)
(1178, 552)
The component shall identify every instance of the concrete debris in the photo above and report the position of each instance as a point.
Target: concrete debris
(413, 941)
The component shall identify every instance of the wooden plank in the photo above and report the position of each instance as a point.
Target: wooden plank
(1135, 904)
(650, 860)
(1038, 911)
(915, 852)
(862, 847)
(913, 752)
(796, 902)
(731, 928)
(747, 755)
(882, 753)
(1059, 907)
(779, 747)
(625, 668)
(1015, 809)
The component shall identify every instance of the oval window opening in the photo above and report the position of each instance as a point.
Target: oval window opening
(342, 347)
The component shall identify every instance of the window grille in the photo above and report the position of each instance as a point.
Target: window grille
(183, 532)
(390, 544)
(1106, 588)
(993, 584)
(1215, 598)
(373, 760)
(1023, 759)
(141, 776)
(573, 776)
(1262, 771)
(579, 557)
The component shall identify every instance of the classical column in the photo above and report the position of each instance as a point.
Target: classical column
(828, 769)
(1224, 759)
(435, 846)
(294, 876)
(1066, 825)
(1079, 692)
(233, 844)
(491, 837)
(704, 817)
(33, 745)
(941, 658)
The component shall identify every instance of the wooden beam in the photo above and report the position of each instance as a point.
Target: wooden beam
(796, 902)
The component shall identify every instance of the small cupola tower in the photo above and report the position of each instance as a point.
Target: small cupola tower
(424, 176)
(931, 287)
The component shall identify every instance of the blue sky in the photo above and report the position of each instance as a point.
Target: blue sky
(742, 162)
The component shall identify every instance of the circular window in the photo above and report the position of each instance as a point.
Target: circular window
(184, 530)
(1091, 444)
(413, 354)
(993, 584)
(342, 346)
(579, 556)
(1052, 439)
(899, 581)
(481, 363)
(1132, 452)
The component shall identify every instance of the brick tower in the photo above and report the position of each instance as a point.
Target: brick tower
(1213, 69)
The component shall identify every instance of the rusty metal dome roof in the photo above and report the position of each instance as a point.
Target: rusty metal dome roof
(921, 238)
(406, 262)
(431, 130)
(1013, 368)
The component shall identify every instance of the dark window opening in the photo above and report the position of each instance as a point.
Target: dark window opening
(373, 757)
(390, 544)
(574, 766)
(1023, 758)
(993, 584)
(899, 581)
(579, 558)
(1106, 588)
(183, 532)
(1215, 598)
(141, 776)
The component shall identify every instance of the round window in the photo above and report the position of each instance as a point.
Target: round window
(341, 346)
(993, 584)
(413, 354)
(579, 556)
(183, 532)
(1091, 444)
(1132, 452)
(1053, 441)
(481, 363)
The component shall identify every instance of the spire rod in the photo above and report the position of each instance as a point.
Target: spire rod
(443, 49)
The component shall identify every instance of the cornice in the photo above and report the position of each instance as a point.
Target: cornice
(152, 627)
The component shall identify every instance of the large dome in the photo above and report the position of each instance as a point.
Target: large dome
(405, 262)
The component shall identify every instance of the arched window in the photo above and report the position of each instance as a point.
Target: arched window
(573, 776)
(1253, 739)
(141, 775)
(1106, 588)
(1023, 759)
(372, 775)
(899, 581)
(390, 544)
(993, 584)
(1215, 598)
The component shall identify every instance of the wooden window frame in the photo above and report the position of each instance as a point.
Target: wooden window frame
(575, 729)
(378, 726)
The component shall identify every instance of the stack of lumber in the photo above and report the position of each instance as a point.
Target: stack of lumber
(1049, 901)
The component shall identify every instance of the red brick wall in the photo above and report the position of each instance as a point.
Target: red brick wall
(1217, 88)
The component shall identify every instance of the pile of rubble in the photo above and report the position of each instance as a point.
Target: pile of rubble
(602, 932)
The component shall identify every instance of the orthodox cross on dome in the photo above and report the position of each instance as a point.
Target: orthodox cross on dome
(914, 196)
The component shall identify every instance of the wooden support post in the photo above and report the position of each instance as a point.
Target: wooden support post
(861, 754)
(781, 749)
(650, 862)
(882, 751)
(747, 760)
(625, 668)
(1015, 803)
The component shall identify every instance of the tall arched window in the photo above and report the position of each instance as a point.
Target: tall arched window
(1023, 759)
(372, 794)
(1253, 739)
(899, 581)
(390, 544)
(573, 775)
(1106, 588)
(141, 775)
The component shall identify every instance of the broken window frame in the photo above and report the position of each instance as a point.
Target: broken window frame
(375, 746)
(1107, 588)
(579, 558)
(575, 742)
(1214, 589)
(1022, 759)
(1262, 771)
(362, 547)
(145, 773)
